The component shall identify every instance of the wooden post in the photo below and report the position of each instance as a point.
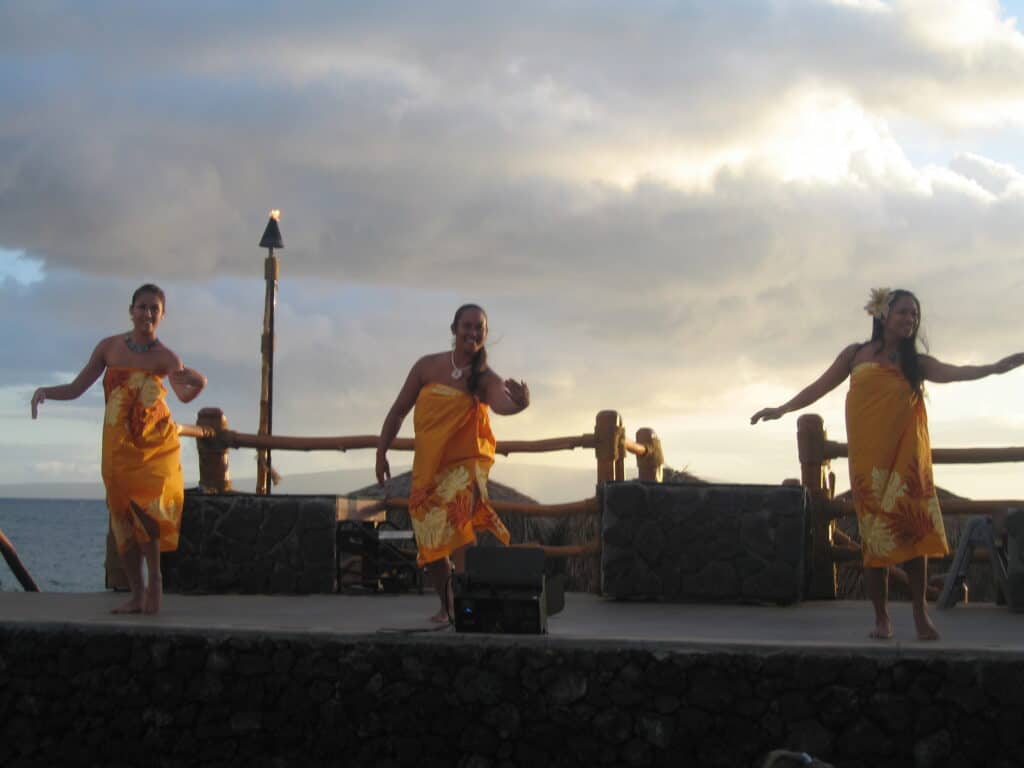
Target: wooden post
(213, 456)
(609, 433)
(810, 441)
(649, 465)
(266, 422)
(17, 567)
(585, 572)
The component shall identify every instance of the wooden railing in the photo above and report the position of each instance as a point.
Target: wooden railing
(17, 567)
(214, 440)
(816, 452)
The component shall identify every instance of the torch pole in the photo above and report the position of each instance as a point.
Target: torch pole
(263, 472)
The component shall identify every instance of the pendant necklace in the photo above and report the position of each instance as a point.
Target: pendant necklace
(456, 371)
(894, 356)
(140, 348)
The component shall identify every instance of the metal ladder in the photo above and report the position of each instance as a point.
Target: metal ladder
(979, 532)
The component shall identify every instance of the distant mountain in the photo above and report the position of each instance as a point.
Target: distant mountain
(549, 485)
(52, 491)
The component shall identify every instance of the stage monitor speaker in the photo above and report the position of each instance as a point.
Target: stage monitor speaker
(502, 591)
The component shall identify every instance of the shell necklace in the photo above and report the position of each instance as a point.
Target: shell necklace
(134, 346)
(456, 370)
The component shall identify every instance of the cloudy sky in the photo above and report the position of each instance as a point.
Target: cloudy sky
(674, 210)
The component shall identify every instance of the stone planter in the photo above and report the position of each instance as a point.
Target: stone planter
(730, 543)
(254, 544)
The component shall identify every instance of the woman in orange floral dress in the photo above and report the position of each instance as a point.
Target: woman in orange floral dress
(451, 393)
(141, 456)
(889, 451)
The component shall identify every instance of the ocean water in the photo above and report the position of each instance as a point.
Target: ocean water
(62, 542)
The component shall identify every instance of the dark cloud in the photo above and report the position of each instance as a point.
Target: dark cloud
(394, 139)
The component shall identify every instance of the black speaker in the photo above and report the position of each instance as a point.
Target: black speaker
(502, 591)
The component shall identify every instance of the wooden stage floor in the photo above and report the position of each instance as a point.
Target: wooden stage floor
(840, 626)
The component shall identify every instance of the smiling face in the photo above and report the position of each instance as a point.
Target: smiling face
(470, 330)
(903, 317)
(146, 312)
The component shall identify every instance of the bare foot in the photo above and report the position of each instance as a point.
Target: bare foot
(447, 610)
(154, 594)
(882, 630)
(134, 605)
(925, 629)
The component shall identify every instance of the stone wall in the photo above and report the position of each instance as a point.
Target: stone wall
(254, 544)
(703, 542)
(103, 696)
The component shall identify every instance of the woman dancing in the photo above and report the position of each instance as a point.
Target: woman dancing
(454, 448)
(890, 456)
(141, 455)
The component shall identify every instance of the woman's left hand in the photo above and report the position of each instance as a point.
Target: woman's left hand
(518, 393)
(38, 398)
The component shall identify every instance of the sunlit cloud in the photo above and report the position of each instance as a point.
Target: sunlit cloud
(871, 6)
(966, 25)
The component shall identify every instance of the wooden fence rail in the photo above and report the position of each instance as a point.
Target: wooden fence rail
(17, 567)
(584, 506)
(608, 440)
(834, 509)
(834, 450)
(816, 451)
(229, 438)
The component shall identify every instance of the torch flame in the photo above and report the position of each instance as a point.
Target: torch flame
(275, 215)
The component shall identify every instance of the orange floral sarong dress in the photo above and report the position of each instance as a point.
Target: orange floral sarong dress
(141, 458)
(891, 468)
(448, 502)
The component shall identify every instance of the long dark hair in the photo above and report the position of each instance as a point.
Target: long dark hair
(479, 361)
(910, 362)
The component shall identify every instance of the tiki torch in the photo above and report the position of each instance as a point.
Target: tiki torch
(271, 239)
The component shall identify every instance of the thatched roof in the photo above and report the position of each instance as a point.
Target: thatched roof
(669, 475)
(401, 485)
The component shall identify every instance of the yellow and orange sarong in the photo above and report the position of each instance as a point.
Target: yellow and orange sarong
(448, 502)
(891, 468)
(141, 458)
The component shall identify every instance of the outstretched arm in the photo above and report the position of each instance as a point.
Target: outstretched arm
(506, 397)
(829, 380)
(85, 379)
(393, 421)
(943, 373)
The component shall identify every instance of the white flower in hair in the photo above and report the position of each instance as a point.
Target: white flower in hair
(878, 305)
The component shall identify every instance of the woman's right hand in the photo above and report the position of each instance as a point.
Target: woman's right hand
(383, 469)
(767, 414)
(38, 397)
(1007, 364)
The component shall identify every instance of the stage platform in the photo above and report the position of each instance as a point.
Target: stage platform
(328, 680)
(587, 619)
